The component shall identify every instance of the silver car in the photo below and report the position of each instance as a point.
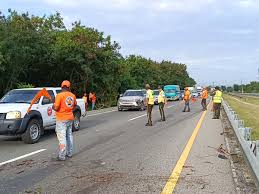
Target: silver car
(132, 99)
(156, 94)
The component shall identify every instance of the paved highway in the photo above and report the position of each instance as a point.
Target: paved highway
(114, 153)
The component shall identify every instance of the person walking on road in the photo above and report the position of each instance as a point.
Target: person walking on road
(204, 97)
(64, 105)
(217, 100)
(161, 103)
(150, 104)
(186, 98)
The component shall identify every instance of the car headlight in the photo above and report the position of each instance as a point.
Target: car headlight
(14, 115)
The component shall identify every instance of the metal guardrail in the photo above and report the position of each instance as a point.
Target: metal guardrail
(250, 148)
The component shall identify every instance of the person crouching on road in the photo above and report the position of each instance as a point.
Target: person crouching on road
(161, 103)
(64, 105)
(204, 97)
(150, 104)
(186, 98)
(217, 100)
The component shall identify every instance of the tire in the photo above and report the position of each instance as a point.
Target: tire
(76, 123)
(33, 132)
(119, 109)
(143, 107)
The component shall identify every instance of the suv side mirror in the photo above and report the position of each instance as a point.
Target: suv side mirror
(121, 95)
(46, 101)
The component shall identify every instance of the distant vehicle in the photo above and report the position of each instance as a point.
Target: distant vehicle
(199, 90)
(156, 94)
(14, 119)
(195, 94)
(132, 99)
(172, 92)
(182, 94)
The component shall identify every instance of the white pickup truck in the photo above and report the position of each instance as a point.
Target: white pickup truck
(14, 119)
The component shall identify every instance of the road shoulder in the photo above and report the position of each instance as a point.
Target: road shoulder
(205, 171)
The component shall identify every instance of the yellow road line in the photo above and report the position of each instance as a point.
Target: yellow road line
(172, 181)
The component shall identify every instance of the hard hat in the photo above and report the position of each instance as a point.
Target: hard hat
(65, 83)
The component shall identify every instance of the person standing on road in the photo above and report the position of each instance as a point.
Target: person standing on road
(64, 105)
(217, 100)
(93, 101)
(186, 99)
(92, 98)
(85, 101)
(161, 103)
(150, 104)
(204, 97)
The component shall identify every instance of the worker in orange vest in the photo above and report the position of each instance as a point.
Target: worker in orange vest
(204, 97)
(64, 105)
(92, 97)
(186, 98)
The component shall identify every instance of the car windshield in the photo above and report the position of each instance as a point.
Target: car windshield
(170, 91)
(133, 93)
(156, 92)
(19, 96)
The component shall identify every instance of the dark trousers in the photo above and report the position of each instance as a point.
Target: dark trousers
(187, 106)
(216, 107)
(204, 104)
(149, 113)
(161, 109)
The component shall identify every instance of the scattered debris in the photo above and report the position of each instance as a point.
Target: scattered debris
(25, 162)
(20, 172)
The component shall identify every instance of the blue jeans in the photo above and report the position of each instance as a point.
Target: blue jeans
(65, 138)
(187, 106)
(93, 105)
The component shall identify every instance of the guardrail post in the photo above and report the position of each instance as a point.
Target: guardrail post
(257, 150)
(241, 123)
(247, 133)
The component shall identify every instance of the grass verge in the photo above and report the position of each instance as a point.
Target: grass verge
(248, 113)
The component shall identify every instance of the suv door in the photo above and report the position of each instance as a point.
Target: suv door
(48, 114)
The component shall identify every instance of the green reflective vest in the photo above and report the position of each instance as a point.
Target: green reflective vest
(218, 97)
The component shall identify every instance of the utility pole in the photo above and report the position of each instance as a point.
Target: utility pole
(242, 88)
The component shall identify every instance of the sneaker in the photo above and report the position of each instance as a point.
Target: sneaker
(60, 159)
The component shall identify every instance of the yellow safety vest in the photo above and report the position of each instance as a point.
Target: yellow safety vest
(150, 97)
(161, 97)
(218, 97)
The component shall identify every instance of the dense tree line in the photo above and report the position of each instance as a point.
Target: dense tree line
(252, 87)
(41, 51)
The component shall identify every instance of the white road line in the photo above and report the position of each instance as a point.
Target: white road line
(21, 157)
(100, 113)
(146, 114)
(137, 117)
(171, 106)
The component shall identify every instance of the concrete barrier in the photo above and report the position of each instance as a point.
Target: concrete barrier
(243, 134)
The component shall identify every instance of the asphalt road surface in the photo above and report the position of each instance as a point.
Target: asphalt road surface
(114, 153)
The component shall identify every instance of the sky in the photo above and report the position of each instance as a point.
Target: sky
(217, 39)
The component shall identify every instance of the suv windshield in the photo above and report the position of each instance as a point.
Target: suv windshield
(19, 96)
(133, 93)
